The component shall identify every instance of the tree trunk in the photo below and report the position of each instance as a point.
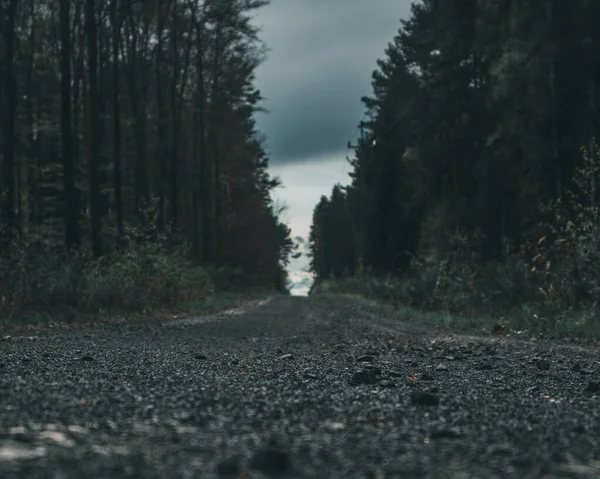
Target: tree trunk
(103, 42)
(31, 176)
(2, 76)
(557, 170)
(116, 29)
(94, 157)
(211, 203)
(591, 113)
(199, 156)
(79, 70)
(137, 86)
(175, 115)
(177, 103)
(10, 110)
(69, 191)
(163, 147)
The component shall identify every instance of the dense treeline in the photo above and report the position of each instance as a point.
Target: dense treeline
(470, 155)
(128, 123)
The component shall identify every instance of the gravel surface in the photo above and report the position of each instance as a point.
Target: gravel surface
(322, 387)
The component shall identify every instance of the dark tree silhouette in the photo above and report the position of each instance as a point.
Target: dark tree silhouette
(477, 116)
(125, 124)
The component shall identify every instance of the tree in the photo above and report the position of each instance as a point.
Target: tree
(475, 118)
(116, 23)
(9, 120)
(71, 204)
(139, 118)
(94, 136)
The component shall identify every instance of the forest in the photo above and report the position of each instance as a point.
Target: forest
(132, 172)
(474, 180)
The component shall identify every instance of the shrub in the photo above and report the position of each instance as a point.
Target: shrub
(565, 258)
(37, 275)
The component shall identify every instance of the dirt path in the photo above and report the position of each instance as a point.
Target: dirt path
(322, 387)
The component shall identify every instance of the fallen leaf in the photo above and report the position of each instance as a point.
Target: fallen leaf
(498, 328)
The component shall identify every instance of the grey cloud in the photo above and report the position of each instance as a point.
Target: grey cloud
(320, 63)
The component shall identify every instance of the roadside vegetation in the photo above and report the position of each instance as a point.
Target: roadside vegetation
(472, 202)
(47, 286)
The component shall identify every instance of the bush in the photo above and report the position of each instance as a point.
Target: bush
(550, 285)
(457, 283)
(37, 276)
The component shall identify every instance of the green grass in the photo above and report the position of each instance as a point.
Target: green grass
(41, 286)
(36, 321)
(526, 321)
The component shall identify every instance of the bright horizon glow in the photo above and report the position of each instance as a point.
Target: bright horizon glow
(303, 185)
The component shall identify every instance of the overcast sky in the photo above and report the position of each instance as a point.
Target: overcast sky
(322, 54)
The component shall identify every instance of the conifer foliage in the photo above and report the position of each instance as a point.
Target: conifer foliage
(476, 120)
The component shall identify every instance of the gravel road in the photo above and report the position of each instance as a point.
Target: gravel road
(323, 387)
